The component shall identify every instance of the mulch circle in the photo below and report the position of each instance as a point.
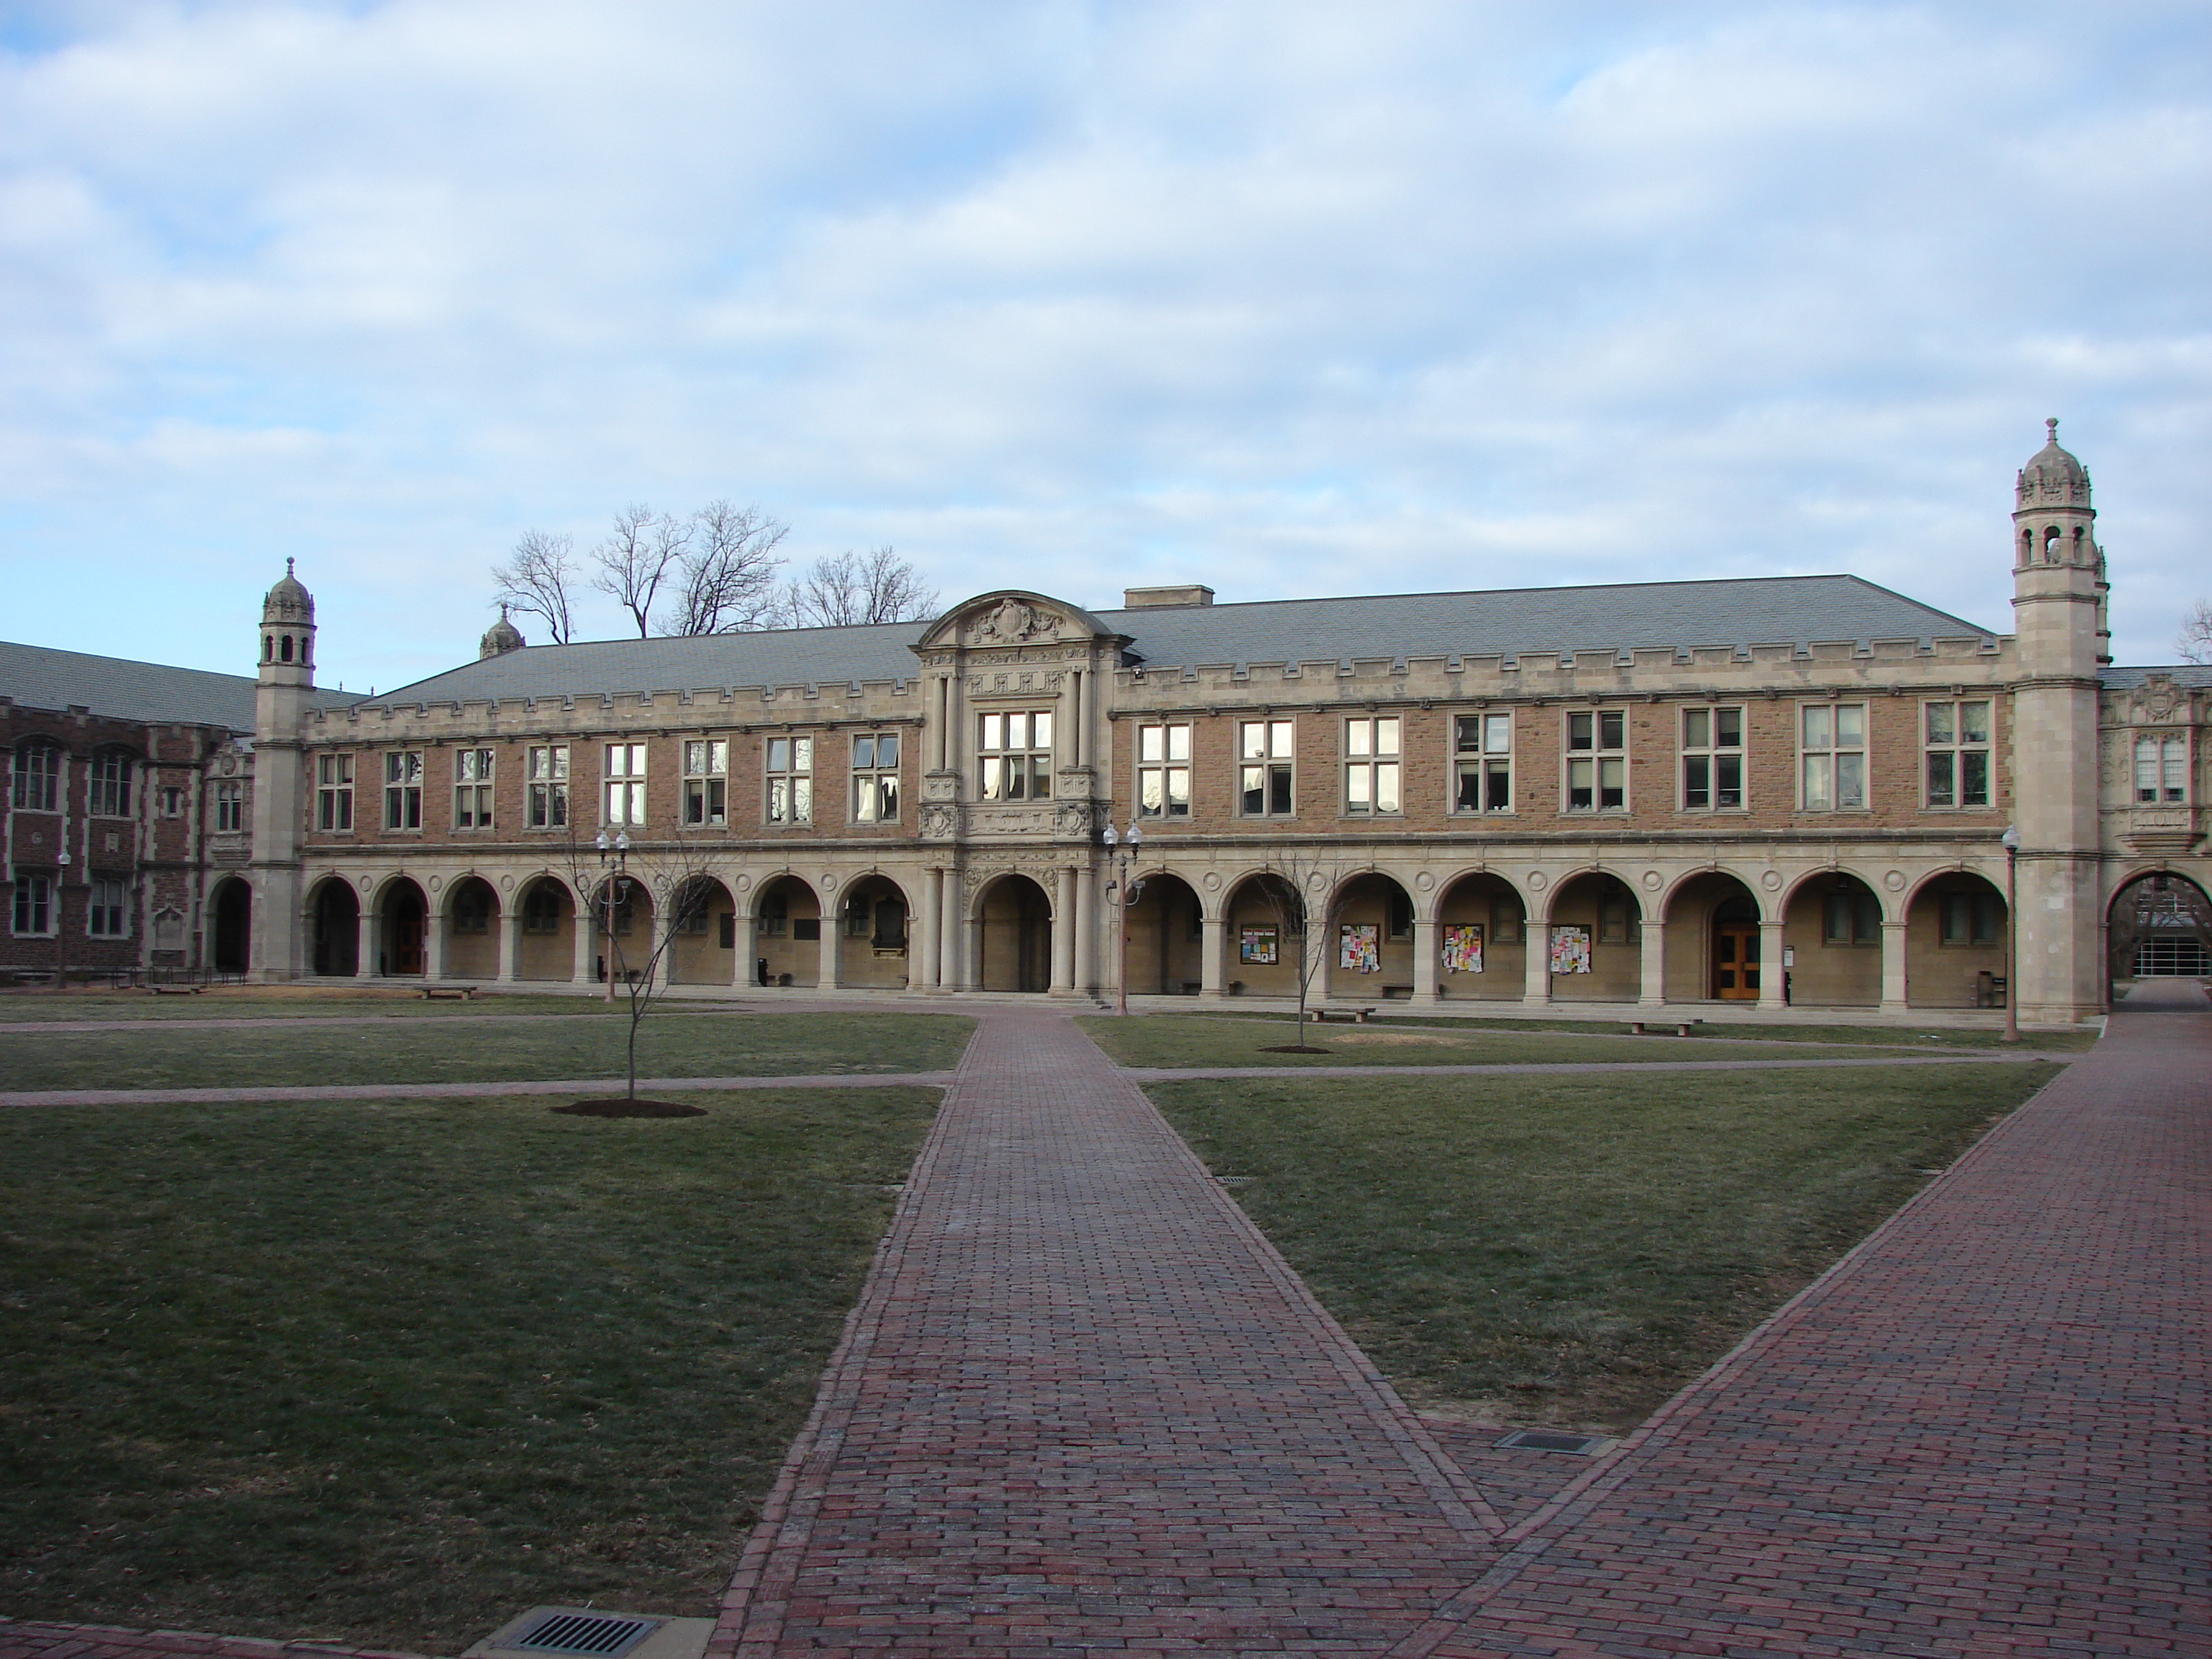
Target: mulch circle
(628, 1108)
(1294, 1048)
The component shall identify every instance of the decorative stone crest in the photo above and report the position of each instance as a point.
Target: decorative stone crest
(2157, 697)
(939, 821)
(1012, 622)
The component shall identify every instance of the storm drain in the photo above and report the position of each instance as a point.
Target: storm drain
(1540, 1440)
(585, 1632)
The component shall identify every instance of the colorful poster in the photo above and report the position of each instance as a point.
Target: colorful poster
(1570, 950)
(1462, 949)
(1360, 948)
(1259, 946)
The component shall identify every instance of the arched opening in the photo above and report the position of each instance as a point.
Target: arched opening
(1264, 934)
(403, 920)
(1013, 936)
(787, 930)
(233, 931)
(548, 947)
(1712, 941)
(336, 910)
(872, 940)
(472, 930)
(1482, 940)
(622, 921)
(1832, 931)
(1371, 948)
(1955, 943)
(703, 950)
(2159, 927)
(284, 651)
(1596, 941)
(1165, 934)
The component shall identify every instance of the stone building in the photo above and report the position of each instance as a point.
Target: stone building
(1657, 794)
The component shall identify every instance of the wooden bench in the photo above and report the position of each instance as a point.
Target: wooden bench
(176, 990)
(1658, 1027)
(1346, 1016)
(446, 993)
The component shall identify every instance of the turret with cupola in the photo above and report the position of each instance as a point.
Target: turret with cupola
(285, 688)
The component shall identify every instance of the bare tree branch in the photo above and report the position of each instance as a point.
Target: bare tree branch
(855, 588)
(1283, 888)
(2195, 642)
(644, 548)
(729, 571)
(535, 581)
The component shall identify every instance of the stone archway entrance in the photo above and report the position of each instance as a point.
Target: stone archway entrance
(336, 913)
(2160, 927)
(234, 927)
(1166, 931)
(1736, 966)
(399, 941)
(1014, 937)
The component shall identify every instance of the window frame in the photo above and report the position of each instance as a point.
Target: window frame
(1980, 906)
(1274, 764)
(625, 769)
(1712, 755)
(2168, 753)
(1480, 763)
(404, 770)
(334, 788)
(36, 894)
(1953, 751)
(107, 899)
(1856, 906)
(1010, 771)
(228, 798)
(874, 798)
(1835, 751)
(545, 772)
(706, 783)
(788, 790)
(1598, 755)
(42, 783)
(1159, 771)
(107, 785)
(473, 777)
(1367, 767)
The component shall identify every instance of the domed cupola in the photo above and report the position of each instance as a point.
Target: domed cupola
(2053, 478)
(502, 637)
(288, 631)
(288, 601)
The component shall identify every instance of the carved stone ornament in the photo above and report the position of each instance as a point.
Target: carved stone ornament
(939, 820)
(1011, 623)
(2158, 697)
(1771, 880)
(1894, 881)
(1074, 820)
(1537, 881)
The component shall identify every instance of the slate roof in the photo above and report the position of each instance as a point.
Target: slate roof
(1760, 610)
(2126, 679)
(40, 677)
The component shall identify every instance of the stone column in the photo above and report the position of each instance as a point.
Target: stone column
(1086, 931)
(830, 949)
(434, 941)
(1213, 931)
(585, 938)
(1894, 988)
(1652, 993)
(921, 944)
(366, 965)
(949, 930)
(1424, 959)
(744, 945)
(1770, 971)
(1063, 931)
(1537, 991)
(510, 943)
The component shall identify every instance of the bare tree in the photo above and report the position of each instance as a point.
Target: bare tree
(643, 551)
(853, 588)
(535, 581)
(729, 570)
(1290, 875)
(2195, 642)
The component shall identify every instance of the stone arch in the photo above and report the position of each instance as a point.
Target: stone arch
(787, 931)
(875, 931)
(334, 928)
(1594, 931)
(1832, 922)
(702, 946)
(403, 916)
(1955, 928)
(622, 921)
(1369, 942)
(1714, 943)
(1482, 936)
(1164, 937)
(546, 907)
(2159, 925)
(1011, 920)
(230, 926)
(470, 914)
(1262, 935)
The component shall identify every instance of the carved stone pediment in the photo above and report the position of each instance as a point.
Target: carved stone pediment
(1010, 621)
(2158, 698)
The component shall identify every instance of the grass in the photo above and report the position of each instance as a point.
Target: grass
(389, 1373)
(1567, 1250)
(302, 1002)
(670, 1044)
(2074, 1040)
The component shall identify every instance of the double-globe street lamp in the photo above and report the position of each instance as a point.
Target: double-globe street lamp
(1121, 894)
(615, 846)
(2012, 936)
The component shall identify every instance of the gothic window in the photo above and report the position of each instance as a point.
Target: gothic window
(1372, 766)
(790, 772)
(1482, 764)
(230, 808)
(108, 913)
(34, 903)
(2161, 770)
(548, 787)
(707, 781)
(875, 777)
(1267, 752)
(110, 796)
(403, 789)
(1597, 761)
(625, 784)
(38, 772)
(1164, 770)
(1957, 738)
(1832, 756)
(1712, 759)
(472, 788)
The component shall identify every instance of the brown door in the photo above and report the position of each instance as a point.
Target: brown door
(1735, 962)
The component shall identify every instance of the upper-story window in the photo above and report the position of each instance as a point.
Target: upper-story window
(625, 779)
(790, 779)
(334, 792)
(1597, 761)
(1957, 745)
(1373, 766)
(1267, 755)
(1832, 756)
(403, 789)
(548, 786)
(173, 801)
(38, 772)
(34, 903)
(1016, 755)
(875, 777)
(1164, 770)
(110, 796)
(1482, 762)
(2161, 770)
(706, 780)
(472, 788)
(1712, 759)
(230, 807)
(107, 914)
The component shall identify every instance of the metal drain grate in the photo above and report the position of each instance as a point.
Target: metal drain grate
(587, 1632)
(1538, 1440)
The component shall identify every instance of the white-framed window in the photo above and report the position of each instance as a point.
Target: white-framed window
(1597, 761)
(875, 777)
(790, 772)
(230, 808)
(334, 792)
(2161, 770)
(1712, 759)
(548, 765)
(34, 904)
(38, 774)
(472, 788)
(108, 913)
(1832, 756)
(1957, 738)
(1374, 767)
(1266, 779)
(1482, 764)
(1851, 916)
(403, 789)
(1163, 769)
(706, 781)
(1014, 756)
(624, 784)
(110, 795)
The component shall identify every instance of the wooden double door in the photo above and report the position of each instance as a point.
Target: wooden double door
(1736, 961)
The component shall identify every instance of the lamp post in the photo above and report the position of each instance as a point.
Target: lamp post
(617, 847)
(2012, 935)
(61, 916)
(1122, 895)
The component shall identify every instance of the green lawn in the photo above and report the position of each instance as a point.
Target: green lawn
(388, 1374)
(261, 1003)
(670, 1044)
(1571, 1250)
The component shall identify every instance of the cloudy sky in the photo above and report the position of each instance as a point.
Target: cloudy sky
(1291, 299)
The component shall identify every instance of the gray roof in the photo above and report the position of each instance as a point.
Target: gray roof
(2127, 679)
(1760, 610)
(38, 677)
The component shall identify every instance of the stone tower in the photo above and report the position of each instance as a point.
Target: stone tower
(2058, 605)
(280, 787)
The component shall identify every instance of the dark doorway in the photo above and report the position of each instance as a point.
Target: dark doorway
(234, 927)
(405, 915)
(1016, 935)
(337, 931)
